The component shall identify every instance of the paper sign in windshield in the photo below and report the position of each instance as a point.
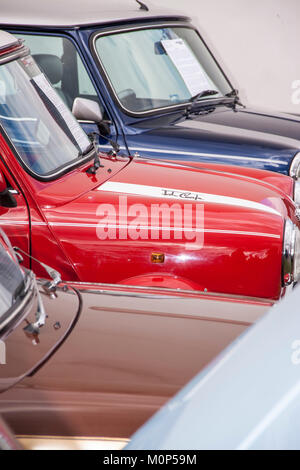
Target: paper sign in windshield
(187, 65)
(73, 126)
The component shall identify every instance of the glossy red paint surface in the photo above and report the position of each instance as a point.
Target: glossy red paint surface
(242, 245)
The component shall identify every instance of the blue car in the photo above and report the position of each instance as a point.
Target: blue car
(149, 81)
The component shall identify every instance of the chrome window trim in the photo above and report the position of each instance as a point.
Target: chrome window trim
(109, 32)
(62, 170)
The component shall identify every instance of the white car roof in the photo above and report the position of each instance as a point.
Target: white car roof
(58, 13)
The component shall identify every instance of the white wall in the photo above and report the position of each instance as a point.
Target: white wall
(257, 42)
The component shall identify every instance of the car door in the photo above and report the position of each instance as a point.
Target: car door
(14, 220)
(60, 60)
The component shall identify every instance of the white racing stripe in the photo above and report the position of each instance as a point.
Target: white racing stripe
(13, 222)
(153, 227)
(148, 227)
(169, 229)
(183, 195)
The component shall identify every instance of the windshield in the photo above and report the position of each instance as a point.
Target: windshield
(159, 67)
(43, 130)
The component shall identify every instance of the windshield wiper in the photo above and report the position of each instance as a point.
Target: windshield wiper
(203, 94)
(233, 94)
(194, 100)
(230, 98)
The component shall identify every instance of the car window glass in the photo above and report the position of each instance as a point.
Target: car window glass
(45, 134)
(60, 61)
(84, 83)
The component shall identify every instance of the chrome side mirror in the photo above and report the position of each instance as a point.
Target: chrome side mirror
(87, 110)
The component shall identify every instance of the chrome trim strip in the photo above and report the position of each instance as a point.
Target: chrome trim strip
(143, 291)
(200, 154)
(213, 155)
